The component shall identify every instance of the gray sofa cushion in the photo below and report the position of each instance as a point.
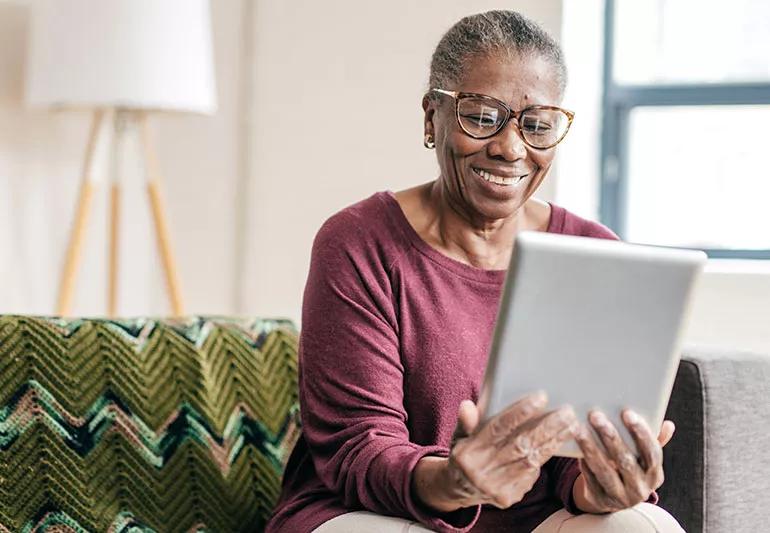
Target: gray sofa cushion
(718, 464)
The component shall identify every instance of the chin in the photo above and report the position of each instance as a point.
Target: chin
(497, 209)
(498, 201)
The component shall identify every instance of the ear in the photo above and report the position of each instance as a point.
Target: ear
(429, 107)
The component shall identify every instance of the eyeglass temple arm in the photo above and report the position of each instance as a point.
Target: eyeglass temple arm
(453, 94)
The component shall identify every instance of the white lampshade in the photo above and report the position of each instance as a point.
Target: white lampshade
(135, 54)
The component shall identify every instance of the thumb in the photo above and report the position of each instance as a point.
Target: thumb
(467, 420)
(666, 432)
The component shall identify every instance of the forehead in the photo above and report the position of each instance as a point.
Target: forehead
(519, 80)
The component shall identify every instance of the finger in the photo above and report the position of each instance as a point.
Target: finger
(512, 482)
(631, 472)
(556, 429)
(539, 439)
(467, 419)
(548, 430)
(666, 432)
(511, 479)
(590, 478)
(599, 463)
(595, 487)
(499, 428)
(650, 453)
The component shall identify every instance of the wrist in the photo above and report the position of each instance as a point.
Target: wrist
(432, 486)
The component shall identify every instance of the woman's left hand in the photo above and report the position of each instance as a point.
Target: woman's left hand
(612, 478)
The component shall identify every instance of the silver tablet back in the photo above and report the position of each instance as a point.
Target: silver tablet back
(594, 323)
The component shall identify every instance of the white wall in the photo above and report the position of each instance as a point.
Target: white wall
(314, 63)
(732, 307)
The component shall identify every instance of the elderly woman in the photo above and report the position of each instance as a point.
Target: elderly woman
(398, 315)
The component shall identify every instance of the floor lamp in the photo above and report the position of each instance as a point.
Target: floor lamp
(123, 59)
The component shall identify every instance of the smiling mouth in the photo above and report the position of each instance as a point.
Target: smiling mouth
(488, 176)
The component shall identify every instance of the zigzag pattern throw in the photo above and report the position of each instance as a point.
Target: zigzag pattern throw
(144, 425)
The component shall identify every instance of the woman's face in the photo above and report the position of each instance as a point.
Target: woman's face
(519, 81)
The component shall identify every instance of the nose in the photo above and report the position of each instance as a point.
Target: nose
(508, 144)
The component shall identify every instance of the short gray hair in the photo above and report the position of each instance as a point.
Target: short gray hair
(487, 33)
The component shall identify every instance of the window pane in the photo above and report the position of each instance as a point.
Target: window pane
(699, 176)
(691, 41)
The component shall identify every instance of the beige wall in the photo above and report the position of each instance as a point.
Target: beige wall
(246, 189)
(315, 62)
(40, 159)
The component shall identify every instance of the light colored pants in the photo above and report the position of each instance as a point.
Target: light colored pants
(642, 518)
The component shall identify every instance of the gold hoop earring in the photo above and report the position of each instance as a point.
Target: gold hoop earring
(428, 142)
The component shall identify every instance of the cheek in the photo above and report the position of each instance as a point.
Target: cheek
(461, 146)
(454, 148)
(543, 160)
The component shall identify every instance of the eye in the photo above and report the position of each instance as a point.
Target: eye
(484, 120)
(479, 115)
(536, 126)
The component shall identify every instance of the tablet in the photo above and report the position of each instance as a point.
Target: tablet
(594, 323)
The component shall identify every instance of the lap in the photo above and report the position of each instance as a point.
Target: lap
(642, 518)
(369, 522)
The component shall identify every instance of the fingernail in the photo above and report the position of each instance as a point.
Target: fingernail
(598, 419)
(540, 398)
(581, 433)
(632, 417)
(566, 412)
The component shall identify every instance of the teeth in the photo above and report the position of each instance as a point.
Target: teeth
(498, 179)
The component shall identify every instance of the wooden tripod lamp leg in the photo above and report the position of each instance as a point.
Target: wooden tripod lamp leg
(119, 119)
(112, 294)
(72, 259)
(159, 216)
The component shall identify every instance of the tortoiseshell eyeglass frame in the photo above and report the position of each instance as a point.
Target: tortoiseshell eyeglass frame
(457, 96)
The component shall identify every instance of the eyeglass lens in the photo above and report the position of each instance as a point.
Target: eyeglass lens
(481, 117)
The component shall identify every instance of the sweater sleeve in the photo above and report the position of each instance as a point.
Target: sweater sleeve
(352, 380)
(564, 471)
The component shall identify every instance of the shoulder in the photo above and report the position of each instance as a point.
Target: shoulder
(352, 261)
(365, 230)
(568, 223)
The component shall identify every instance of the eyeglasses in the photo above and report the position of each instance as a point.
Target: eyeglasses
(482, 116)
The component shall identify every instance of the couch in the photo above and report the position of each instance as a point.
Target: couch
(185, 425)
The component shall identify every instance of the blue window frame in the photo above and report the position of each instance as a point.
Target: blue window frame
(618, 102)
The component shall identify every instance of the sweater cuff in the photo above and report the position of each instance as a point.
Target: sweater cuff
(458, 521)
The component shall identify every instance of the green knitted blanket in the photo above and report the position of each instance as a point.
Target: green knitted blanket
(144, 425)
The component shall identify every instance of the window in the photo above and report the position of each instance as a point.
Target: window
(685, 122)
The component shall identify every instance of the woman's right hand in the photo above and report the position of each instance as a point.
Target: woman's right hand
(497, 462)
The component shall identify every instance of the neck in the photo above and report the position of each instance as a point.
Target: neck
(470, 238)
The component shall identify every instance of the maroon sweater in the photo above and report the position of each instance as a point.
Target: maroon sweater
(394, 336)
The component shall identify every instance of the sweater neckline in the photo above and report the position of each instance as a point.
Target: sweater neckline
(462, 269)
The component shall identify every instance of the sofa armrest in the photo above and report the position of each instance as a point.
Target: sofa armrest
(717, 463)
